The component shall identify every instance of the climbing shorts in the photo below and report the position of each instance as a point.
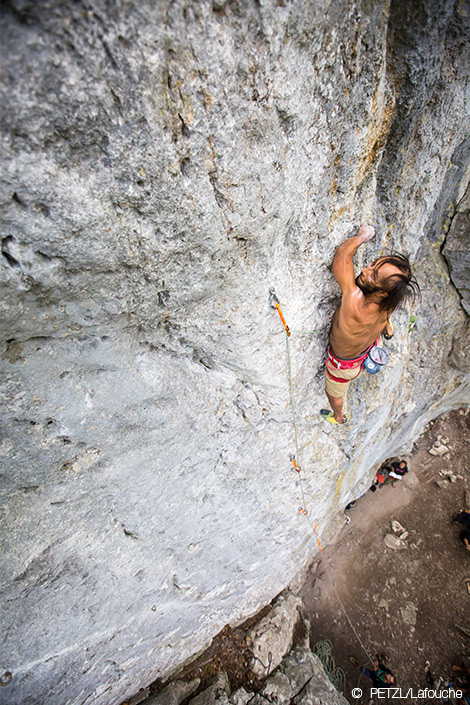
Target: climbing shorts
(340, 373)
(338, 381)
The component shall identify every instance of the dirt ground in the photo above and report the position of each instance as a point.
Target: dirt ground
(411, 603)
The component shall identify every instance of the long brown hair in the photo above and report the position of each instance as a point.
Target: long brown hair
(401, 287)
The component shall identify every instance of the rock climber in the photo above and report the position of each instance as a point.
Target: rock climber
(367, 303)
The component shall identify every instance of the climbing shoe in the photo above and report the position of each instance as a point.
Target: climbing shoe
(354, 660)
(329, 416)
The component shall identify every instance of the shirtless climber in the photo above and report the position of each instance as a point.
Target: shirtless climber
(364, 314)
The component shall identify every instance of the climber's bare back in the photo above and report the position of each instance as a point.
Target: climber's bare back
(356, 325)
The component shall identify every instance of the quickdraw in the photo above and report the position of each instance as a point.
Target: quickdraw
(318, 538)
(274, 303)
(297, 468)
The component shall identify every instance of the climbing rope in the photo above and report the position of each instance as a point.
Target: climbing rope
(300, 332)
(303, 509)
(335, 674)
(295, 459)
(369, 657)
(274, 303)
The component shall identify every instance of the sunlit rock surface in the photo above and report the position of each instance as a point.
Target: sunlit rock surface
(165, 165)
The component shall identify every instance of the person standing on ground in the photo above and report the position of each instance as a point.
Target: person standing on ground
(397, 471)
(465, 538)
(378, 481)
(381, 676)
(464, 519)
(367, 302)
(464, 516)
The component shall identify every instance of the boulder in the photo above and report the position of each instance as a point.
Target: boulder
(271, 638)
(217, 693)
(397, 527)
(174, 693)
(395, 543)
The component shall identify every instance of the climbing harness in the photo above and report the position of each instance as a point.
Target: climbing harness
(337, 364)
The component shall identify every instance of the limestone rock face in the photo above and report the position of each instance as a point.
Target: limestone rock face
(456, 249)
(165, 164)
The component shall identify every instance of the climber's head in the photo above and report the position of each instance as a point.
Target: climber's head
(390, 280)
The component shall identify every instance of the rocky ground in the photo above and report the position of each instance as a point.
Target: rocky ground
(410, 603)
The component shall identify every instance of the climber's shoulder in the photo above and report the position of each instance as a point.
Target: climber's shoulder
(353, 300)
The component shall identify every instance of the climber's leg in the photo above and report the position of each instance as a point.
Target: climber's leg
(337, 406)
(337, 382)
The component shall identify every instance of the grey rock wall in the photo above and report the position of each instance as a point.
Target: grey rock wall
(165, 164)
(456, 249)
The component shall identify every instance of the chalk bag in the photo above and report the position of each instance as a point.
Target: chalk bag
(375, 360)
